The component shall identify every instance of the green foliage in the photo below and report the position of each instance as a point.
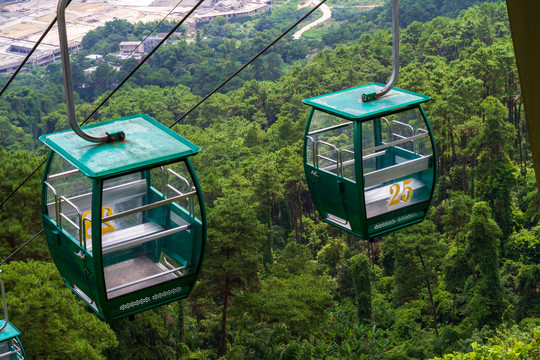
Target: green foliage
(300, 302)
(514, 343)
(24, 106)
(277, 281)
(486, 306)
(20, 214)
(342, 337)
(332, 255)
(456, 214)
(274, 342)
(417, 254)
(53, 323)
(234, 241)
(361, 275)
(165, 104)
(524, 246)
(150, 335)
(12, 137)
(528, 304)
(413, 11)
(202, 65)
(105, 39)
(295, 259)
(495, 170)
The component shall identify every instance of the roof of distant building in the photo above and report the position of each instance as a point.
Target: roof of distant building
(127, 43)
(93, 57)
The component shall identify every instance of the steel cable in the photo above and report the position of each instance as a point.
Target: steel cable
(185, 114)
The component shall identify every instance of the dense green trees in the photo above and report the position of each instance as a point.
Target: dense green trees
(360, 273)
(20, 216)
(277, 282)
(513, 343)
(235, 236)
(54, 324)
(486, 306)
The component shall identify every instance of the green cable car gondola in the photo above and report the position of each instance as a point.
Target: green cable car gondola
(125, 220)
(122, 210)
(10, 345)
(370, 166)
(369, 155)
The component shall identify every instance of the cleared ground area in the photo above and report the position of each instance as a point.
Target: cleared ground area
(26, 21)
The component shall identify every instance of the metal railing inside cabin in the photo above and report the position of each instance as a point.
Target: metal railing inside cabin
(402, 131)
(148, 207)
(179, 271)
(82, 238)
(334, 160)
(14, 349)
(80, 224)
(337, 162)
(191, 203)
(333, 155)
(139, 281)
(418, 148)
(337, 155)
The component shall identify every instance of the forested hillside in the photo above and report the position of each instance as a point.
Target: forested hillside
(277, 282)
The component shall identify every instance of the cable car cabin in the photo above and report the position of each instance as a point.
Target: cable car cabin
(370, 166)
(125, 221)
(10, 346)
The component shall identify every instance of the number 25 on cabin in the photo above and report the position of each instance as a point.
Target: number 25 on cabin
(401, 195)
(106, 227)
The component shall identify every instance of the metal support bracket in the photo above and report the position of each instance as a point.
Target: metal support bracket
(68, 82)
(5, 306)
(395, 57)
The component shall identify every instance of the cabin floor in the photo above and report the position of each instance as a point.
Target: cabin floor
(132, 270)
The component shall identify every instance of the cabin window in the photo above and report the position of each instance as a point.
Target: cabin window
(150, 228)
(397, 159)
(330, 144)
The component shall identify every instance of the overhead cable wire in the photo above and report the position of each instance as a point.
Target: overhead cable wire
(129, 56)
(101, 104)
(22, 246)
(247, 63)
(25, 60)
(189, 111)
(95, 110)
(12, 77)
(144, 60)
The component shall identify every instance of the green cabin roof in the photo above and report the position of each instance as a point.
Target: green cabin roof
(9, 331)
(348, 103)
(147, 142)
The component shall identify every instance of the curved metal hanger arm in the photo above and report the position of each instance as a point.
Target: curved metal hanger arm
(5, 306)
(395, 56)
(66, 69)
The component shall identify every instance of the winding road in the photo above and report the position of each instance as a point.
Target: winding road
(327, 14)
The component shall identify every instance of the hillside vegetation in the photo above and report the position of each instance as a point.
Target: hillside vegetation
(278, 283)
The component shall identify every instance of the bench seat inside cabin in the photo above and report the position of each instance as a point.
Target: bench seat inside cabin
(134, 236)
(378, 199)
(132, 270)
(122, 238)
